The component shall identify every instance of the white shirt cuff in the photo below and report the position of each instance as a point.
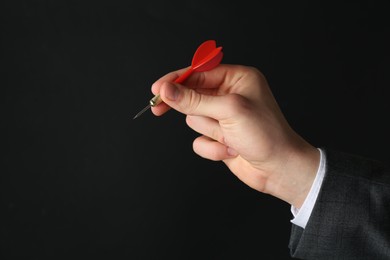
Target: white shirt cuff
(302, 215)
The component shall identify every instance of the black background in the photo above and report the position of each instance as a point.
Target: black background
(80, 178)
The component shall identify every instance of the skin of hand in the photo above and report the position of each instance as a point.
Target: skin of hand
(240, 123)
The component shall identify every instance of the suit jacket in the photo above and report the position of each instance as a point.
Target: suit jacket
(351, 217)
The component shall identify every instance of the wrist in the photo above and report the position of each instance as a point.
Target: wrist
(297, 174)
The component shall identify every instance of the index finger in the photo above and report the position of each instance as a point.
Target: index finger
(219, 81)
(222, 78)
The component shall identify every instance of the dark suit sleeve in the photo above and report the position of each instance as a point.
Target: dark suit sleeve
(351, 217)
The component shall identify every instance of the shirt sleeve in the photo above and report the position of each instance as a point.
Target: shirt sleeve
(302, 215)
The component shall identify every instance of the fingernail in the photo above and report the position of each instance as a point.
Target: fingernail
(171, 92)
(232, 152)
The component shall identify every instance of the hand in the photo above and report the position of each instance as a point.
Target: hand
(240, 123)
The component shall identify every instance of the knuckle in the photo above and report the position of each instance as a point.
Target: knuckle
(237, 104)
(193, 102)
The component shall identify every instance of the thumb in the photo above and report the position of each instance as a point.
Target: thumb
(190, 102)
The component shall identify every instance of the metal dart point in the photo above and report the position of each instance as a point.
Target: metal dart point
(153, 102)
(142, 111)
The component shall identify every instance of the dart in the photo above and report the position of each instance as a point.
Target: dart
(206, 57)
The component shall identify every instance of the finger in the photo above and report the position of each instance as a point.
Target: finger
(222, 77)
(212, 150)
(190, 102)
(206, 126)
(170, 77)
(160, 109)
(219, 81)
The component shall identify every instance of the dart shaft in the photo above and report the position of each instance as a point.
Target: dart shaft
(155, 100)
